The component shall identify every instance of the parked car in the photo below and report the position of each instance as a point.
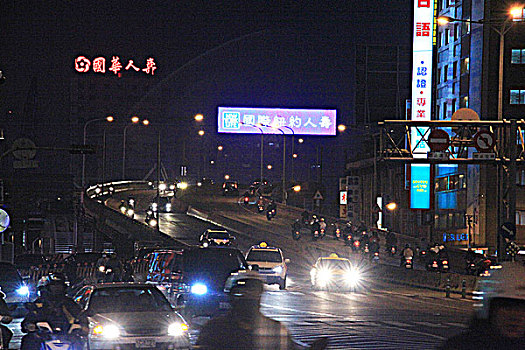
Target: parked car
(193, 278)
(150, 322)
(212, 237)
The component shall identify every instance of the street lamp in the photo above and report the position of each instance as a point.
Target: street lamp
(109, 119)
(515, 13)
(134, 120)
(262, 145)
(199, 117)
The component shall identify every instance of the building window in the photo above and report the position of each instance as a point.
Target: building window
(518, 56)
(437, 111)
(438, 78)
(447, 35)
(517, 97)
(445, 110)
(445, 73)
(453, 105)
(456, 31)
(455, 69)
(465, 66)
(465, 26)
(520, 217)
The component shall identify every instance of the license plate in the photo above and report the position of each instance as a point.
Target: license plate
(223, 305)
(145, 343)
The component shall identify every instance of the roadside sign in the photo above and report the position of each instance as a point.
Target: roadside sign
(484, 141)
(512, 249)
(508, 230)
(24, 149)
(438, 155)
(342, 211)
(343, 197)
(318, 195)
(438, 140)
(484, 155)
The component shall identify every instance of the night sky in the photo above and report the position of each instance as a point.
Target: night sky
(304, 56)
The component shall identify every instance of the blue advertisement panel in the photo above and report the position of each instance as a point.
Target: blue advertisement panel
(420, 186)
(242, 120)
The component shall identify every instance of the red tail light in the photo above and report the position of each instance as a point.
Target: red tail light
(445, 262)
(356, 243)
(246, 199)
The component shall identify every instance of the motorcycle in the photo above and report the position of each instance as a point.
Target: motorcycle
(296, 235)
(246, 200)
(408, 263)
(349, 241)
(270, 214)
(260, 207)
(355, 245)
(337, 233)
(443, 265)
(321, 233)
(58, 339)
(315, 235)
(433, 265)
(393, 250)
(375, 257)
(471, 268)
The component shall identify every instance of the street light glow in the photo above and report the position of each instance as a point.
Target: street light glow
(516, 12)
(297, 188)
(391, 206)
(220, 148)
(294, 155)
(201, 132)
(226, 177)
(135, 119)
(110, 118)
(300, 140)
(269, 166)
(341, 127)
(443, 20)
(199, 117)
(145, 122)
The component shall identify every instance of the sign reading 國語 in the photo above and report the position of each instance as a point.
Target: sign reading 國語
(423, 42)
(242, 120)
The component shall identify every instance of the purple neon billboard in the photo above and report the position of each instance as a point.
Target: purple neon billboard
(242, 120)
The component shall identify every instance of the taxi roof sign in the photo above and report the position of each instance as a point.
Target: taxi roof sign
(263, 245)
(334, 255)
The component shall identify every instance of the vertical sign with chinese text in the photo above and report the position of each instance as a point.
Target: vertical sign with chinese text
(423, 42)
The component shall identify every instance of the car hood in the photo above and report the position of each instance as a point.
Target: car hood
(138, 320)
(265, 264)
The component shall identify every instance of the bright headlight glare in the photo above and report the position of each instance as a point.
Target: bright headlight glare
(324, 275)
(123, 209)
(353, 277)
(23, 291)
(177, 329)
(168, 206)
(102, 268)
(131, 212)
(277, 269)
(109, 331)
(153, 222)
(199, 289)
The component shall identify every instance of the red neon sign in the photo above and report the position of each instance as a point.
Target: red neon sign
(98, 65)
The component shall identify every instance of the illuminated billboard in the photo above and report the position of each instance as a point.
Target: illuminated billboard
(242, 120)
(422, 52)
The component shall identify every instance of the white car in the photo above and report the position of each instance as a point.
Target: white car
(129, 316)
(272, 265)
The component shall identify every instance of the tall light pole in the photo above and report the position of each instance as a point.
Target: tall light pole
(262, 146)
(501, 27)
(134, 120)
(108, 119)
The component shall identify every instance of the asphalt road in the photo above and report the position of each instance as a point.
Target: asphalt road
(385, 316)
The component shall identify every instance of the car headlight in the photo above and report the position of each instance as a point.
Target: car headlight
(152, 222)
(324, 275)
(102, 268)
(131, 212)
(353, 277)
(278, 269)
(168, 206)
(123, 209)
(23, 291)
(109, 331)
(177, 329)
(199, 289)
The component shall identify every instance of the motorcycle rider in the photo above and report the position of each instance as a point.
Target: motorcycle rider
(305, 217)
(296, 226)
(314, 226)
(391, 240)
(500, 322)
(244, 326)
(54, 308)
(5, 317)
(272, 207)
(322, 226)
(407, 253)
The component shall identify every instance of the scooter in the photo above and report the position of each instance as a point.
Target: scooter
(337, 233)
(408, 263)
(246, 200)
(443, 265)
(58, 339)
(321, 233)
(349, 241)
(315, 235)
(260, 207)
(393, 250)
(355, 245)
(375, 257)
(270, 214)
(296, 234)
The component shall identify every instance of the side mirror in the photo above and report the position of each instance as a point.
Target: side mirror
(287, 261)
(254, 267)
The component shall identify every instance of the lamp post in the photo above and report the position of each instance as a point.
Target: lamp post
(108, 119)
(504, 26)
(134, 120)
(262, 146)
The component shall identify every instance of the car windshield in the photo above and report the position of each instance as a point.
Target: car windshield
(8, 274)
(217, 262)
(334, 264)
(264, 255)
(219, 235)
(109, 300)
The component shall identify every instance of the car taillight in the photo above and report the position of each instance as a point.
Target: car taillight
(445, 262)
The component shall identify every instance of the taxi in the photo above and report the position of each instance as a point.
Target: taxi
(335, 273)
(272, 265)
